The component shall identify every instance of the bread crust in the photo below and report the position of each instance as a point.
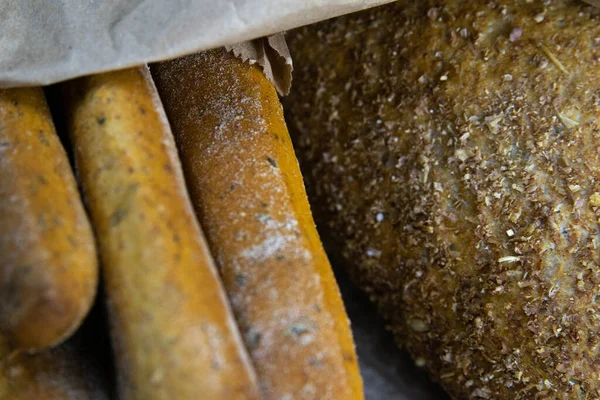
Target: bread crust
(248, 192)
(453, 149)
(61, 373)
(173, 332)
(48, 266)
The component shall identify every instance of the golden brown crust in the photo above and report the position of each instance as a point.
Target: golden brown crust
(57, 374)
(246, 186)
(173, 331)
(454, 147)
(48, 267)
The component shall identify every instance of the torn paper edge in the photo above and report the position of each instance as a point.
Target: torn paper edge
(273, 56)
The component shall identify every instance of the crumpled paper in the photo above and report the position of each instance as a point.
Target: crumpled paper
(43, 42)
(273, 56)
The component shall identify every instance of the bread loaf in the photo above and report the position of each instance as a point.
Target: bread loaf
(452, 149)
(173, 332)
(247, 189)
(48, 267)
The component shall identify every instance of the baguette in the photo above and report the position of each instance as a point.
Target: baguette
(48, 267)
(247, 189)
(173, 332)
(57, 374)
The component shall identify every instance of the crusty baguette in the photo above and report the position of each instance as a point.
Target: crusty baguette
(48, 267)
(173, 331)
(61, 373)
(247, 189)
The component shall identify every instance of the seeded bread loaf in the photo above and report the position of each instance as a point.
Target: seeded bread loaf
(451, 150)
